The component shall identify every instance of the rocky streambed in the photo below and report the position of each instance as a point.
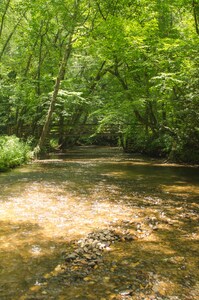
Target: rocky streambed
(101, 228)
(124, 262)
(90, 249)
(87, 255)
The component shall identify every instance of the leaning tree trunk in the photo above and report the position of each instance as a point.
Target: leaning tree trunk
(60, 77)
(9, 38)
(195, 4)
(4, 16)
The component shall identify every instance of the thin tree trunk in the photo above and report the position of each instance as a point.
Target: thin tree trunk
(39, 67)
(61, 129)
(41, 59)
(195, 5)
(78, 114)
(32, 51)
(3, 17)
(30, 58)
(60, 77)
(9, 38)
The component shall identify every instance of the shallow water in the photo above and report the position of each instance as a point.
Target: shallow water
(51, 202)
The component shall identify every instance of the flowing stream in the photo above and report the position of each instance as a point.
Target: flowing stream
(47, 204)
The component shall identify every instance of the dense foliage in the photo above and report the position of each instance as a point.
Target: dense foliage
(115, 71)
(13, 152)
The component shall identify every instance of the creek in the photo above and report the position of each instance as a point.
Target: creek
(51, 202)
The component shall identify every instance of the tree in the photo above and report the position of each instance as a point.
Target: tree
(128, 67)
(195, 5)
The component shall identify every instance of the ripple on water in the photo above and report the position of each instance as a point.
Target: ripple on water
(46, 205)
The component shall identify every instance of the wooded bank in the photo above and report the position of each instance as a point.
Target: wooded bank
(129, 67)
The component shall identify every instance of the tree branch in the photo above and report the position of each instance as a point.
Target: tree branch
(3, 17)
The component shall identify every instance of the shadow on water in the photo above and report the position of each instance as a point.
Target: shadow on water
(158, 267)
(46, 205)
(25, 256)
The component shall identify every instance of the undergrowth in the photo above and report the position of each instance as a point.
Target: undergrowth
(13, 152)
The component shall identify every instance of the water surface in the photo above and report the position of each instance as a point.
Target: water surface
(49, 203)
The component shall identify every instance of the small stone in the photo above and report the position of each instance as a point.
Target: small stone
(125, 262)
(35, 288)
(78, 251)
(155, 228)
(91, 264)
(183, 267)
(106, 279)
(126, 293)
(44, 293)
(88, 256)
(129, 238)
(95, 242)
(71, 257)
(59, 268)
(87, 278)
(83, 262)
(102, 246)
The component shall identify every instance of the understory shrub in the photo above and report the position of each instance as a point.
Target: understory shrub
(187, 153)
(13, 152)
(138, 141)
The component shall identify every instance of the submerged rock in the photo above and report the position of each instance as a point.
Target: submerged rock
(90, 249)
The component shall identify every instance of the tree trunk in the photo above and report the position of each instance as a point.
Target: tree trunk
(30, 57)
(195, 5)
(3, 17)
(9, 38)
(60, 77)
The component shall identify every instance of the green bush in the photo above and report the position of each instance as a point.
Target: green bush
(158, 146)
(137, 140)
(13, 152)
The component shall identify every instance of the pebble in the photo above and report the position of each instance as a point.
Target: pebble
(126, 293)
(90, 249)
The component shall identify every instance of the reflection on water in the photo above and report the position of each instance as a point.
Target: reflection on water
(49, 203)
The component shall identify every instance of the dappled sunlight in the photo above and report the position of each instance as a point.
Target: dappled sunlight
(48, 204)
(116, 174)
(60, 215)
(181, 189)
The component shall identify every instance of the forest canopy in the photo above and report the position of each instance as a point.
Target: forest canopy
(107, 72)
